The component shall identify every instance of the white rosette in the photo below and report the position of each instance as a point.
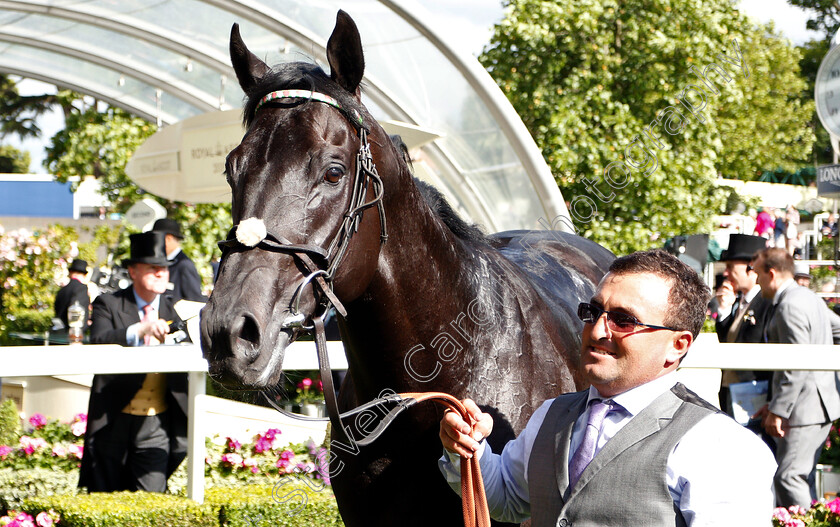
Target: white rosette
(250, 232)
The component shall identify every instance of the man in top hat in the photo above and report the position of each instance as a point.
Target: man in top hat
(182, 272)
(75, 291)
(137, 423)
(745, 320)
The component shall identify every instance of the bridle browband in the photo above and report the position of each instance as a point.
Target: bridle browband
(321, 264)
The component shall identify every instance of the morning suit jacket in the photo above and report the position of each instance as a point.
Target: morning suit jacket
(752, 328)
(803, 397)
(74, 291)
(635, 458)
(185, 279)
(109, 394)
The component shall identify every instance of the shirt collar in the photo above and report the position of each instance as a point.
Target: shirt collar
(782, 288)
(173, 254)
(752, 293)
(637, 399)
(142, 303)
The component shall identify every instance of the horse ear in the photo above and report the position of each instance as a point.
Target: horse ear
(344, 53)
(249, 69)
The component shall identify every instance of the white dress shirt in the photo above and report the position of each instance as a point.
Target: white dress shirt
(719, 473)
(132, 332)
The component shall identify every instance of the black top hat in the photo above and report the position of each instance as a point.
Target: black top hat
(149, 248)
(80, 266)
(743, 247)
(168, 226)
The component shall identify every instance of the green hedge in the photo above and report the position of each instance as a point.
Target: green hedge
(254, 506)
(247, 506)
(125, 509)
(16, 486)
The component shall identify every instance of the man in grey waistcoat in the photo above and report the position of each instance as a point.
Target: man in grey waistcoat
(803, 403)
(637, 447)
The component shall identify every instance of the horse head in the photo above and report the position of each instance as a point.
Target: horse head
(301, 180)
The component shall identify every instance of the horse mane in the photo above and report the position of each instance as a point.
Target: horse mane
(460, 228)
(438, 203)
(296, 76)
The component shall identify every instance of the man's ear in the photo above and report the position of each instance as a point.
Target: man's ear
(681, 342)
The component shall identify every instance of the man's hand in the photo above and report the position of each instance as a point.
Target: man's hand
(461, 437)
(157, 329)
(773, 424)
(725, 295)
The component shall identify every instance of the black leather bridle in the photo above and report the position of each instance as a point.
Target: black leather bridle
(321, 263)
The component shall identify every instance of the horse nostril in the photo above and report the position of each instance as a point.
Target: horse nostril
(246, 338)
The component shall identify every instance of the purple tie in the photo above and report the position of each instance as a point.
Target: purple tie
(598, 410)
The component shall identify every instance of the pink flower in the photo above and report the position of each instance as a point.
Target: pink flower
(320, 385)
(78, 428)
(232, 459)
(781, 514)
(22, 520)
(834, 505)
(31, 444)
(253, 463)
(285, 460)
(59, 451)
(305, 383)
(76, 450)
(263, 444)
(233, 444)
(798, 510)
(46, 519)
(5, 451)
(38, 420)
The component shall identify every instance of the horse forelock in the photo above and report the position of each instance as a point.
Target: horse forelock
(297, 76)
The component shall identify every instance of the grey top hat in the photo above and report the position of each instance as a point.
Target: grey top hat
(79, 266)
(743, 247)
(168, 226)
(149, 248)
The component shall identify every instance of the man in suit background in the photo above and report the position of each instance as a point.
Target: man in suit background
(803, 403)
(637, 447)
(745, 319)
(75, 291)
(182, 272)
(137, 423)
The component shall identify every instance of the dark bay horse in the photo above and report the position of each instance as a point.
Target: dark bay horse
(432, 303)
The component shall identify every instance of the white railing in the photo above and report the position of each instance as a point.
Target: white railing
(17, 361)
(22, 361)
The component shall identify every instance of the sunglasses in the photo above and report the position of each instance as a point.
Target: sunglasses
(621, 322)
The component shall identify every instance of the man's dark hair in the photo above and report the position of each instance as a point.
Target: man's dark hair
(778, 259)
(689, 295)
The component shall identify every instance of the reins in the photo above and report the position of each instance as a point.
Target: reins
(251, 233)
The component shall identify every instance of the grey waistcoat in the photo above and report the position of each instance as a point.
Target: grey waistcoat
(625, 483)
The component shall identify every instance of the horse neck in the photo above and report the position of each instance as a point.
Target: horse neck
(425, 279)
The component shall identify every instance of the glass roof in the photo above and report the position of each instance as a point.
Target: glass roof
(167, 60)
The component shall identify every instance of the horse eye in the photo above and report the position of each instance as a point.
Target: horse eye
(333, 174)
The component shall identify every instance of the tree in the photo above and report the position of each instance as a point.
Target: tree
(612, 93)
(19, 114)
(826, 15)
(14, 160)
(100, 144)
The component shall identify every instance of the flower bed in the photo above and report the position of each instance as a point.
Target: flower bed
(821, 514)
(45, 458)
